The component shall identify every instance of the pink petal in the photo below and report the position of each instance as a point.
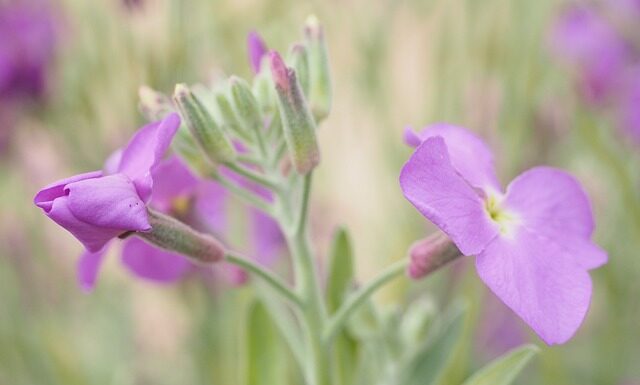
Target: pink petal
(110, 202)
(469, 155)
(92, 237)
(149, 262)
(432, 185)
(552, 204)
(44, 198)
(145, 150)
(171, 180)
(89, 267)
(538, 282)
(210, 206)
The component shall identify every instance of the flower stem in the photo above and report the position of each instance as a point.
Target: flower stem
(249, 197)
(338, 320)
(272, 280)
(252, 175)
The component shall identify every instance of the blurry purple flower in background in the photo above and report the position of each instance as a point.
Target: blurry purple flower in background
(600, 41)
(257, 49)
(585, 40)
(27, 42)
(532, 243)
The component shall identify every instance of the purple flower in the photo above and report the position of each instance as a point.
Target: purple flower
(174, 188)
(98, 206)
(629, 106)
(532, 242)
(256, 48)
(586, 41)
(27, 38)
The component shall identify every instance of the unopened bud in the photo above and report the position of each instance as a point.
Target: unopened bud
(186, 147)
(245, 104)
(228, 116)
(298, 125)
(429, 254)
(263, 90)
(299, 61)
(319, 74)
(211, 138)
(154, 105)
(170, 234)
(256, 48)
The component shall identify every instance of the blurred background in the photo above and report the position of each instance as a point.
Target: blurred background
(544, 82)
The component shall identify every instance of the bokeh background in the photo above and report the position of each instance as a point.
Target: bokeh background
(488, 65)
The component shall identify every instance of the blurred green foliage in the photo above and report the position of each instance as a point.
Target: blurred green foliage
(482, 64)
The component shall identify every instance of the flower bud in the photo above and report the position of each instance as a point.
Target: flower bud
(154, 105)
(319, 75)
(256, 48)
(245, 104)
(299, 61)
(263, 90)
(211, 138)
(170, 234)
(298, 124)
(186, 147)
(429, 254)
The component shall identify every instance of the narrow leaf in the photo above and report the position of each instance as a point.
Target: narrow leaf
(340, 275)
(264, 349)
(504, 369)
(428, 363)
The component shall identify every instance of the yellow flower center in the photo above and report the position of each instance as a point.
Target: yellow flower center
(504, 218)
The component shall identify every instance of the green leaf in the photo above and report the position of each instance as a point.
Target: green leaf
(339, 283)
(428, 363)
(340, 276)
(504, 369)
(265, 352)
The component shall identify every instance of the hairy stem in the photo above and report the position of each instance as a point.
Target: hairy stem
(357, 299)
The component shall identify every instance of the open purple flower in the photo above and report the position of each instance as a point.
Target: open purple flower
(532, 242)
(586, 41)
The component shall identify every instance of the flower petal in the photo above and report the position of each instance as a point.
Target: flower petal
(92, 237)
(552, 204)
(109, 202)
(256, 48)
(268, 241)
(88, 268)
(538, 282)
(210, 206)
(171, 180)
(432, 185)
(469, 155)
(154, 264)
(145, 150)
(44, 198)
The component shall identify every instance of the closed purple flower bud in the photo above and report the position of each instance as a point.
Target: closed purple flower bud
(429, 254)
(257, 50)
(299, 126)
(96, 207)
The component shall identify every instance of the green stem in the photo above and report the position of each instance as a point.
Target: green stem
(249, 197)
(272, 280)
(357, 299)
(252, 176)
